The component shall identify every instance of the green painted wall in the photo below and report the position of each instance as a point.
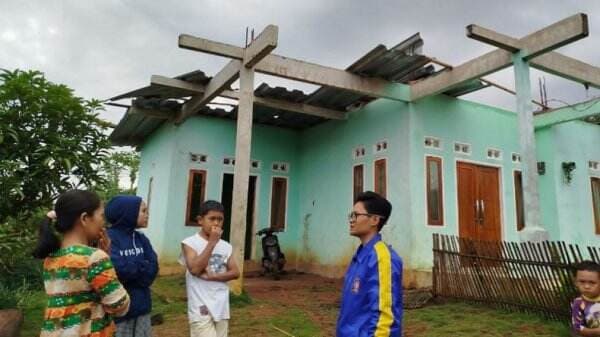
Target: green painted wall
(577, 142)
(165, 157)
(482, 127)
(327, 171)
(321, 166)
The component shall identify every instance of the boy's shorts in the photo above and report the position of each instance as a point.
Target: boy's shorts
(209, 328)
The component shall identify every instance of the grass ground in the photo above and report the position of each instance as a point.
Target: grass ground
(307, 305)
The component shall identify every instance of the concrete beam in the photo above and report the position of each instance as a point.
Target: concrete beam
(221, 81)
(493, 38)
(569, 68)
(567, 114)
(552, 37)
(261, 46)
(304, 71)
(196, 89)
(532, 45)
(551, 62)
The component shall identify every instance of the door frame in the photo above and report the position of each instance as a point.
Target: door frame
(501, 189)
(256, 210)
(287, 200)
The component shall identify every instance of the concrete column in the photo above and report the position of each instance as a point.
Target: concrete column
(533, 230)
(241, 172)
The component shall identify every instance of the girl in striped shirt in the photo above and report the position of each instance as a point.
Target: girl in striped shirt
(80, 281)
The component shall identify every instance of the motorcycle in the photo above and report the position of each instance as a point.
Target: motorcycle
(273, 259)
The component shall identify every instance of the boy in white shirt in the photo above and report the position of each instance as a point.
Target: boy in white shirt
(209, 266)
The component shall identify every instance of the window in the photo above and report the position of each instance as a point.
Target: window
(520, 210)
(435, 203)
(594, 165)
(380, 177)
(462, 148)
(280, 167)
(358, 152)
(359, 181)
(494, 154)
(380, 146)
(433, 143)
(196, 190)
(229, 161)
(278, 202)
(516, 158)
(198, 158)
(596, 202)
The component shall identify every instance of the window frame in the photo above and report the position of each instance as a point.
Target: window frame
(439, 162)
(191, 174)
(376, 186)
(271, 199)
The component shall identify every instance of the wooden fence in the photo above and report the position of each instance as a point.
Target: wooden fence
(532, 277)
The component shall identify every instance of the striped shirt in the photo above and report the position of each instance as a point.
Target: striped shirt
(83, 291)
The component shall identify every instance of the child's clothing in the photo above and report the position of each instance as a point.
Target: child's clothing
(585, 313)
(208, 301)
(135, 262)
(209, 328)
(83, 291)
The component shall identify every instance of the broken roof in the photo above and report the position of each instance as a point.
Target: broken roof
(403, 63)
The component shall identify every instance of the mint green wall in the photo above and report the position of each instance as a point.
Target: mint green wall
(326, 175)
(321, 166)
(454, 120)
(155, 163)
(170, 147)
(577, 142)
(546, 153)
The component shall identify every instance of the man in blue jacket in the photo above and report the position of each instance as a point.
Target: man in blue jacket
(372, 293)
(134, 260)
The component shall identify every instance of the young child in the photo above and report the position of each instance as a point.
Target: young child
(134, 260)
(209, 266)
(585, 310)
(81, 284)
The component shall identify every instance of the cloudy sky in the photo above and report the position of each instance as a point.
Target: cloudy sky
(103, 48)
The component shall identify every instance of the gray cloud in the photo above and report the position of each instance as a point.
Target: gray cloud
(103, 48)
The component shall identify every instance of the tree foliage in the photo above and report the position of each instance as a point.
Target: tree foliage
(50, 141)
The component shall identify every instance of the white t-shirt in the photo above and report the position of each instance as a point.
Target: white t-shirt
(212, 294)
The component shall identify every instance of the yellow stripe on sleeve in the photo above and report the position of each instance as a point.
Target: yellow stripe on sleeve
(384, 266)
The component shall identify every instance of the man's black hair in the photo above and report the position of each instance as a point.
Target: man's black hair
(211, 205)
(377, 205)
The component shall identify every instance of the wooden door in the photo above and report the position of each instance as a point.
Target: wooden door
(489, 204)
(478, 202)
(467, 197)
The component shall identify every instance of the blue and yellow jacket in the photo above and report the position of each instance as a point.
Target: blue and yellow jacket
(372, 294)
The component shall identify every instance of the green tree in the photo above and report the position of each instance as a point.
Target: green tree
(50, 141)
(113, 166)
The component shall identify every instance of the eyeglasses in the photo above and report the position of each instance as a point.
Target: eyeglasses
(354, 215)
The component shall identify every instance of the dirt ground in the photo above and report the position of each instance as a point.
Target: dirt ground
(318, 297)
(298, 304)
(304, 305)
